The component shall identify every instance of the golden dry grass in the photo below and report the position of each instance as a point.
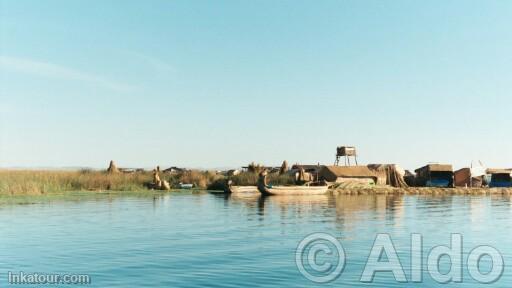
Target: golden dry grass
(37, 182)
(200, 179)
(13, 182)
(251, 179)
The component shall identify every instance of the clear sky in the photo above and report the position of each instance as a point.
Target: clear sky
(223, 83)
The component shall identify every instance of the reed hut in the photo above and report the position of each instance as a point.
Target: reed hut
(394, 174)
(309, 168)
(435, 175)
(305, 173)
(359, 174)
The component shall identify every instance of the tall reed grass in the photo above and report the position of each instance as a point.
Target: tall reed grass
(13, 182)
(251, 178)
(34, 182)
(200, 179)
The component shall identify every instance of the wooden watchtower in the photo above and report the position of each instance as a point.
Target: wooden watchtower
(346, 152)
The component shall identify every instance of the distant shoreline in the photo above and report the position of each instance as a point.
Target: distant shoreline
(49, 182)
(422, 191)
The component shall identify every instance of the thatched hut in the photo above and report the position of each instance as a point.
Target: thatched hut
(309, 168)
(305, 173)
(359, 174)
(394, 174)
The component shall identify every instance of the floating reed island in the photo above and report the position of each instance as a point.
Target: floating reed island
(353, 178)
(346, 176)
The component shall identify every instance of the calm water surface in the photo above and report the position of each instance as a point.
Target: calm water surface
(198, 240)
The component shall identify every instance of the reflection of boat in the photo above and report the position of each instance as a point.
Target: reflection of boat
(288, 190)
(293, 190)
(320, 200)
(250, 198)
(242, 189)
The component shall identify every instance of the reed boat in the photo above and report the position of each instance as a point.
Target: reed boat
(288, 190)
(233, 189)
(293, 190)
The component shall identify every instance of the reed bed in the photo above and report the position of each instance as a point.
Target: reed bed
(251, 179)
(36, 182)
(14, 182)
(200, 179)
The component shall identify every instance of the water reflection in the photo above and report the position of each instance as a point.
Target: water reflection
(183, 239)
(345, 210)
(348, 211)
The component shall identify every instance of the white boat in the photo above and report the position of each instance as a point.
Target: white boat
(186, 186)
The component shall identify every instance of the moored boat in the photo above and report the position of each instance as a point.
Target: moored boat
(186, 186)
(233, 189)
(288, 190)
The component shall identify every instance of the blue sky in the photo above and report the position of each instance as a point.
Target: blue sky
(223, 83)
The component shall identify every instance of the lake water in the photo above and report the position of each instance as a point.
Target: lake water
(207, 240)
